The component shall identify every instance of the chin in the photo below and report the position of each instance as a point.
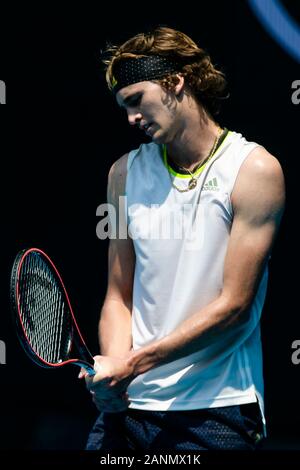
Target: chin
(158, 138)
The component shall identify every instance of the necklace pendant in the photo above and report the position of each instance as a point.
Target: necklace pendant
(192, 183)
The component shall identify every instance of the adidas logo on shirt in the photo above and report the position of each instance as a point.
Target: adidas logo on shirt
(211, 185)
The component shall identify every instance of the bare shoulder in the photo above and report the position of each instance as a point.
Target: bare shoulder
(260, 183)
(261, 163)
(117, 178)
(118, 169)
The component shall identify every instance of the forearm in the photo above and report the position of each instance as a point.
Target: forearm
(115, 337)
(197, 332)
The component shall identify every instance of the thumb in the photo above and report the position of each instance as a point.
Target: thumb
(97, 366)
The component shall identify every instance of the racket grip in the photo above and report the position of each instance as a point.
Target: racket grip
(90, 370)
(86, 366)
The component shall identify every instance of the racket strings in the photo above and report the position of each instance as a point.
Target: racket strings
(44, 311)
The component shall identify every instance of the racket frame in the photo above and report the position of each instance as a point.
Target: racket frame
(86, 359)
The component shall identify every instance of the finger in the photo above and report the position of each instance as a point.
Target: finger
(126, 398)
(83, 373)
(109, 403)
(115, 407)
(88, 381)
(106, 394)
(97, 384)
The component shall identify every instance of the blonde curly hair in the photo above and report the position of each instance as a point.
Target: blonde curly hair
(205, 82)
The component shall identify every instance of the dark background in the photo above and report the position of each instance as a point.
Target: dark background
(60, 133)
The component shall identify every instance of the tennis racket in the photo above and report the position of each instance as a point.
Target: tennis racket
(46, 325)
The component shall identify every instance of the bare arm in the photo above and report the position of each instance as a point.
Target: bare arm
(115, 321)
(115, 337)
(258, 201)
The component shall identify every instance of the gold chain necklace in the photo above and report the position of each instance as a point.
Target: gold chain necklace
(193, 181)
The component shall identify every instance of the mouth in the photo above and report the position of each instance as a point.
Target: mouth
(147, 128)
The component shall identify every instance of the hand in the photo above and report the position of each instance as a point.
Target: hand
(111, 405)
(108, 386)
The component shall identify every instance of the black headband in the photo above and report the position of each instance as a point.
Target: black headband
(140, 69)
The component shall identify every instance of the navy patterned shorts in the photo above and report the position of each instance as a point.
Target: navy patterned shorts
(236, 427)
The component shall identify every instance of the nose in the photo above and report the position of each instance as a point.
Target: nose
(134, 117)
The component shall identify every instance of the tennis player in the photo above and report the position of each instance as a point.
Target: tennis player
(181, 359)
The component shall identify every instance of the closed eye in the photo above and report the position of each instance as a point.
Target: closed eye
(134, 101)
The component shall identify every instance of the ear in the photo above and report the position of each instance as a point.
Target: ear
(180, 85)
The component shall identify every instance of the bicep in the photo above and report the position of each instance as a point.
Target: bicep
(247, 253)
(258, 201)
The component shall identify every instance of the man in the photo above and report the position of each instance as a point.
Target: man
(181, 365)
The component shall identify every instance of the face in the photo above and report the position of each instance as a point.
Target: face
(152, 109)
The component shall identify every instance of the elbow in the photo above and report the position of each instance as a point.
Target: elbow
(238, 308)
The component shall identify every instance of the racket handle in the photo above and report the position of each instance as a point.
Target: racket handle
(88, 367)
(90, 370)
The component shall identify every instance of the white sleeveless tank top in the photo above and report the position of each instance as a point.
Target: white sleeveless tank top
(180, 241)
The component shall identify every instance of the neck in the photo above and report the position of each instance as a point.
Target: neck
(194, 142)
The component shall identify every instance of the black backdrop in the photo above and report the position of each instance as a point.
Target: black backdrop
(60, 133)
